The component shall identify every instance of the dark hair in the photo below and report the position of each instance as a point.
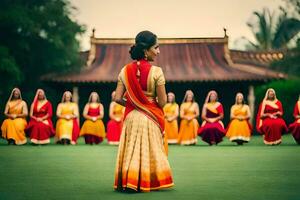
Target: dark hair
(143, 41)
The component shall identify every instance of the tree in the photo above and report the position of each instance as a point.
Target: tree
(292, 7)
(290, 63)
(272, 32)
(36, 37)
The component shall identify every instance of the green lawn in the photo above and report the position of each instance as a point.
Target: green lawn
(253, 171)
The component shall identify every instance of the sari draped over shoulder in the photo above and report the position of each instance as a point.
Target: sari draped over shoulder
(188, 128)
(142, 163)
(271, 128)
(294, 128)
(41, 131)
(212, 132)
(239, 129)
(67, 129)
(171, 127)
(15, 128)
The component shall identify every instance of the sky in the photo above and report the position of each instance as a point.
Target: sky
(169, 18)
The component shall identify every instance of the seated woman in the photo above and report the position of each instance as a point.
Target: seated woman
(16, 111)
(189, 111)
(212, 129)
(67, 125)
(171, 111)
(294, 128)
(269, 120)
(114, 126)
(239, 128)
(40, 127)
(93, 128)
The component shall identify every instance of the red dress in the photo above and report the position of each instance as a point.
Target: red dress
(271, 128)
(114, 128)
(212, 133)
(40, 132)
(294, 128)
(89, 138)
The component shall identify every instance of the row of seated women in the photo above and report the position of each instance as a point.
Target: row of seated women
(269, 121)
(40, 127)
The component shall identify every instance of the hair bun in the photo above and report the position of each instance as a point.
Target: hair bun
(143, 41)
(137, 51)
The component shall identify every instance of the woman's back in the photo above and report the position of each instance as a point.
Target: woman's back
(142, 163)
(150, 76)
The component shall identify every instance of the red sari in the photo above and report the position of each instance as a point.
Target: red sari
(271, 128)
(40, 132)
(294, 128)
(136, 99)
(212, 133)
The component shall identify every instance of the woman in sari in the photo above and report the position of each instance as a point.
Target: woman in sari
(212, 129)
(40, 127)
(67, 125)
(93, 128)
(294, 128)
(114, 126)
(239, 128)
(171, 111)
(16, 111)
(142, 163)
(269, 120)
(189, 111)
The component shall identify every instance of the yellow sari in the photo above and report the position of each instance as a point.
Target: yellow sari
(64, 127)
(239, 129)
(14, 128)
(171, 127)
(188, 129)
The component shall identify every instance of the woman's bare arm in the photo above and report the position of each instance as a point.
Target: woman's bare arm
(101, 108)
(161, 95)
(120, 90)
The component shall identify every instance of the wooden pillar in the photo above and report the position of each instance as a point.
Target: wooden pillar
(75, 94)
(76, 100)
(251, 101)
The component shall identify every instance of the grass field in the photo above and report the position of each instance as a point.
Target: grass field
(253, 171)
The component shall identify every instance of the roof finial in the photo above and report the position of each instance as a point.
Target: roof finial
(225, 32)
(93, 32)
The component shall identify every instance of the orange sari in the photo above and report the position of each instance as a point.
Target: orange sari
(239, 129)
(15, 128)
(188, 129)
(142, 163)
(171, 127)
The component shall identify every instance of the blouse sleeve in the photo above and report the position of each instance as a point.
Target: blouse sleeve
(120, 81)
(159, 77)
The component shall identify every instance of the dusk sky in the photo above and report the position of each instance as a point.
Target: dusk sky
(169, 18)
